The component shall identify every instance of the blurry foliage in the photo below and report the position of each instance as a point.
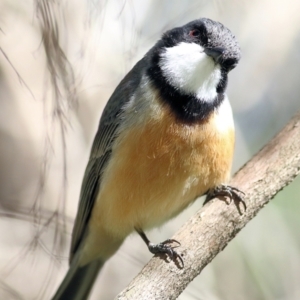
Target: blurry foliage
(59, 63)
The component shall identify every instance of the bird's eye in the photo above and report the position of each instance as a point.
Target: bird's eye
(194, 33)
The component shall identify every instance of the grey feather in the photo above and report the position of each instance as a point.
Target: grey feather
(129, 105)
(79, 281)
(101, 150)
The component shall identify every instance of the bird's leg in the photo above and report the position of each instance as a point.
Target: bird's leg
(163, 247)
(232, 193)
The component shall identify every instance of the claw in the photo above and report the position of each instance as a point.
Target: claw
(237, 190)
(170, 241)
(162, 247)
(230, 192)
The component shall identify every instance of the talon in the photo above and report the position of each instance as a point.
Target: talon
(162, 247)
(237, 190)
(229, 192)
(170, 252)
(169, 241)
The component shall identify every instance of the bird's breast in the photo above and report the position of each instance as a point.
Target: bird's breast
(162, 165)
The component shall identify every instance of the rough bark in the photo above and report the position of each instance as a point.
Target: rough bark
(211, 229)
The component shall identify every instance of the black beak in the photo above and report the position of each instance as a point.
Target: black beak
(219, 55)
(215, 54)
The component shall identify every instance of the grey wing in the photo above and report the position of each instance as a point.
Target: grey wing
(101, 152)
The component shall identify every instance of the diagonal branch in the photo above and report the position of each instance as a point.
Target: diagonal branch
(216, 224)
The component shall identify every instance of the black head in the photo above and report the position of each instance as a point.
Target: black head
(189, 67)
(217, 40)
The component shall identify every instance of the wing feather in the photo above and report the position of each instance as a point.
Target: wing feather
(101, 151)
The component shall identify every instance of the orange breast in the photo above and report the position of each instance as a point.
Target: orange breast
(155, 171)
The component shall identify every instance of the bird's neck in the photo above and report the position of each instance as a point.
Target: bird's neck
(189, 106)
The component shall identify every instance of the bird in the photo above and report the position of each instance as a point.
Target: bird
(166, 137)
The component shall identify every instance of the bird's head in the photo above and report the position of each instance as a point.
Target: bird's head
(195, 59)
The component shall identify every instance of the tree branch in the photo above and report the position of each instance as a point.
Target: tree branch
(213, 226)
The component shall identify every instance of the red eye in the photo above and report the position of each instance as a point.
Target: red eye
(194, 33)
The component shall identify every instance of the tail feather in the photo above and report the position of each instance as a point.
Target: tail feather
(79, 281)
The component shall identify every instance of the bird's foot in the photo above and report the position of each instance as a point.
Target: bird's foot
(163, 247)
(166, 248)
(232, 193)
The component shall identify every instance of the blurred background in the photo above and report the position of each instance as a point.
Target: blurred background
(59, 63)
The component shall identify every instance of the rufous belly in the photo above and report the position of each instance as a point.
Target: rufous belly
(155, 171)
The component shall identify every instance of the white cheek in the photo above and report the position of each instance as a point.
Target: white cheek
(189, 69)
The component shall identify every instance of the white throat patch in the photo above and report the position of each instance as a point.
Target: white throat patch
(188, 68)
